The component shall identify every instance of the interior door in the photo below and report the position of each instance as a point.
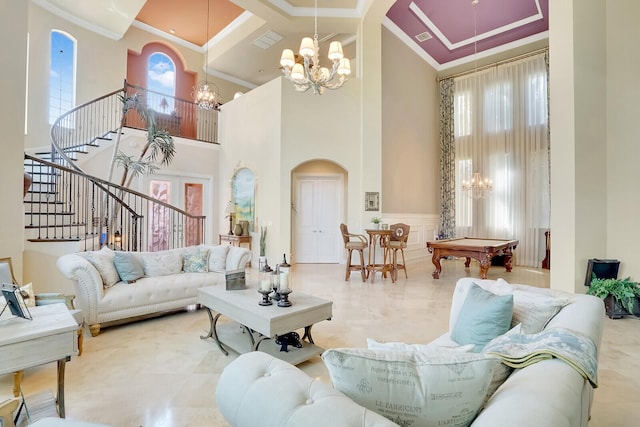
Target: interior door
(318, 205)
(186, 193)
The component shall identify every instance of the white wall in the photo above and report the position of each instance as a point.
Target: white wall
(578, 140)
(623, 146)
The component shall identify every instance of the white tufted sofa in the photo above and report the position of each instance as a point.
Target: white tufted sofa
(105, 304)
(258, 389)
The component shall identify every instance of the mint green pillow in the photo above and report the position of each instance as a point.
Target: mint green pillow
(483, 316)
(128, 267)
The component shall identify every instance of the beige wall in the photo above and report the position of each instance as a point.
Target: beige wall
(410, 131)
(12, 85)
(623, 145)
(101, 66)
(594, 148)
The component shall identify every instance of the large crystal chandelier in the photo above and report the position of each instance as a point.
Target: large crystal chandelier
(478, 187)
(206, 95)
(311, 74)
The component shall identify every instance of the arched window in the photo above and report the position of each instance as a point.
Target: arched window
(161, 80)
(62, 74)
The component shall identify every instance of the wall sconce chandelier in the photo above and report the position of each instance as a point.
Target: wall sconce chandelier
(206, 95)
(478, 187)
(311, 75)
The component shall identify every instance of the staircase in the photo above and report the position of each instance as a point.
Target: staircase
(65, 204)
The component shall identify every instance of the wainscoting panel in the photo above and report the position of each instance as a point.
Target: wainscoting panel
(423, 229)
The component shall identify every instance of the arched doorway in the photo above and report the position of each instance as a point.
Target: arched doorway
(318, 205)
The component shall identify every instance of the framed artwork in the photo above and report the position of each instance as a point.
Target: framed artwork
(371, 201)
(243, 190)
(14, 301)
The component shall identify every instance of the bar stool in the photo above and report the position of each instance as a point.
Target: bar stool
(397, 242)
(354, 242)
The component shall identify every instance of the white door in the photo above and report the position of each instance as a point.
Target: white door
(318, 207)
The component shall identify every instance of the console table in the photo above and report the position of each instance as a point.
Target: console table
(52, 336)
(252, 324)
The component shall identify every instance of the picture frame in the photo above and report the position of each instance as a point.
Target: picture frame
(371, 201)
(15, 301)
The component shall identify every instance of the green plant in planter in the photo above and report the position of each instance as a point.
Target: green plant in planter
(623, 290)
(263, 240)
(375, 220)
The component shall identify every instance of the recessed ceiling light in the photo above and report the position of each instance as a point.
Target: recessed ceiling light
(172, 30)
(261, 71)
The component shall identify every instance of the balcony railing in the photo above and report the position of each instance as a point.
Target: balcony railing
(65, 203)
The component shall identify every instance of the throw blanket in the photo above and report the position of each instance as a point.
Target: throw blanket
(520, 350)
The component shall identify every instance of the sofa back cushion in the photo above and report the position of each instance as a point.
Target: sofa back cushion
(161, 263)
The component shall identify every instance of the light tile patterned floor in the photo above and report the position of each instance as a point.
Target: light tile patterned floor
(159, 373)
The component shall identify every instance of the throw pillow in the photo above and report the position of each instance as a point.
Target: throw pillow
(534, 311)
(413, 388)
(218, 258)
(128, 266)
(196, 262)
(484, 316)
(161, 263)
(102, 260)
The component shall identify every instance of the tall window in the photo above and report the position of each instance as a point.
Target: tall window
(500, 124)
(161, 80)
(62, 74)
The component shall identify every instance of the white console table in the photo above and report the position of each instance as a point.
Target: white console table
(50, 337)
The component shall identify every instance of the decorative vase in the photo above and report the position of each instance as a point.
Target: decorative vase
(245, 228)
(237, 230)
(376, 226)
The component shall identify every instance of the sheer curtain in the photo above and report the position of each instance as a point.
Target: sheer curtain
(501, 131)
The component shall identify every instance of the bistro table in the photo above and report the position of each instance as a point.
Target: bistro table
(377, 238)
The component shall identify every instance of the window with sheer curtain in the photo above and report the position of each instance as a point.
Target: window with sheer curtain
(501, 131)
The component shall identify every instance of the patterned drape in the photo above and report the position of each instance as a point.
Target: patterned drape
(447, 224)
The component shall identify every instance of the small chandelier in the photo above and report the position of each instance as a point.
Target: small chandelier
(478, 187)
(206, 95)
(311, 75)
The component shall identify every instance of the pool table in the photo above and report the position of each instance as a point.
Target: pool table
(471, 247)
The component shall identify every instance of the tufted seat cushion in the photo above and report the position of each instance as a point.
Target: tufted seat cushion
(297, 399)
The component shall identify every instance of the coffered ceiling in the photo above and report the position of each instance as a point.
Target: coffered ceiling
(247, 36)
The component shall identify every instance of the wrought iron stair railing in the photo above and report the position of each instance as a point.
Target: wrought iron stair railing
(65, 203)
(71, 205)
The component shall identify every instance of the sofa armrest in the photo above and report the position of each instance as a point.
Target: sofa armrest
(248, 386)
(86, 282)
(237, 258)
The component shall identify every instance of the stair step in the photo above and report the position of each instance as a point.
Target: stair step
(33, 227)
(66, 239)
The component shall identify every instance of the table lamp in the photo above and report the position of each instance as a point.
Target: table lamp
(230, 210)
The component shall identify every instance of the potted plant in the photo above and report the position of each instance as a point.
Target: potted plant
(376, 222)
(620, 295)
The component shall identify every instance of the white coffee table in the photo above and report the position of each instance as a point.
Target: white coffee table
(252, 323)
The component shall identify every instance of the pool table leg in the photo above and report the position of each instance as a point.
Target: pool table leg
(467, 262)
(507, 261)
(485, 263)
(436, 261)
